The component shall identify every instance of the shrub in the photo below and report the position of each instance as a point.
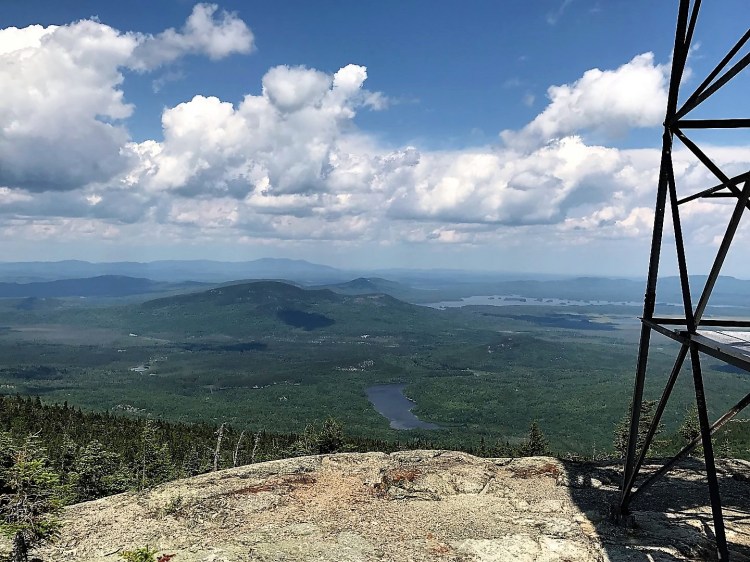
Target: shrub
(143, 554)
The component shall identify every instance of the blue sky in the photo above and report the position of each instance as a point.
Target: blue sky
(374, 134)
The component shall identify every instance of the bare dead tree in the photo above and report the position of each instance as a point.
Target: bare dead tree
(255, 446)
(219, 436)
(237, 448)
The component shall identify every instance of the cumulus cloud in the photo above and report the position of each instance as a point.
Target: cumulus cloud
(604, 101)
(13, 39)
(294, 139)
(63, 100)
(290, 164)
(289, 89)
(510, 188)
(203, 33)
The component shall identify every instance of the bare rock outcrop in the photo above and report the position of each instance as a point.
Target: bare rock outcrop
(409, 506)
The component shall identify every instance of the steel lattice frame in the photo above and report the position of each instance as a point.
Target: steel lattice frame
(690, 330)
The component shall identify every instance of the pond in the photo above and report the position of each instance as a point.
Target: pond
(390, 402)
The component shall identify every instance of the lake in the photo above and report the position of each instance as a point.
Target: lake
(390, 402)
(506, 300)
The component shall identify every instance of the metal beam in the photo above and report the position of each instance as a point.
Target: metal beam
(690, 447)
(704, 91)
(713, 74)
(712, 123)
(707, 162)
(714, 322)
(691, 334)
(629, 495)
(736, 180)
(708, 455)
(721, 255)
(681, 48)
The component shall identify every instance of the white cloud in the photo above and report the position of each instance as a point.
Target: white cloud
(289, 89)
(13, 39)
(291, 139)
(62, 99)
(608, 102)
(289, 164)
(203, 33)
(62, 94)
(506, 187)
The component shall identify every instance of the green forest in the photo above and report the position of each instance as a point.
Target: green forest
(105, 396)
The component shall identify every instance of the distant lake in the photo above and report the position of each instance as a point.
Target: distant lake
(518, 300)
(390, 402)
(515, 300)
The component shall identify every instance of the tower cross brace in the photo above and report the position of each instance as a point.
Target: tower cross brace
(726, 339)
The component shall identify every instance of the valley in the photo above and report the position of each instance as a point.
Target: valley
(277, 356)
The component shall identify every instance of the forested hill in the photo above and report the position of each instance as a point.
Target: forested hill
(375, 285)
(264, 307)
(251, 293)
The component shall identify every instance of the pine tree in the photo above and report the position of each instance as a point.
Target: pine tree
(30, 496)
(725, 449)
(691, 429)
(155, 459)
(503, 448)
(307, 443)
(482, 448)
(95, 472)
(66, 454)
(536, 443)
(331, 437)
(191, 464)
(622, 431)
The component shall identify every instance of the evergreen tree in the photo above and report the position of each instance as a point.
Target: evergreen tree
(155, 462)
(482, 452)
(306, 443)
(691, 429)
(66, 454)
(331, 437)
(96, 472)
(725, 449)
(191, 464)
(536, 443)
(503, 448)
(622, 431)
(30, 494)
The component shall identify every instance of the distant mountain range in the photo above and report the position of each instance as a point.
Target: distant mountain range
(209, 271)
(175, 270)
(728, 291)
(121, 279)
(101, 286)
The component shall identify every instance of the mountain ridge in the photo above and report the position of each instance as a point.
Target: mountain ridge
(98, 286)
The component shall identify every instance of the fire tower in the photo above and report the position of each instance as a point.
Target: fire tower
(697, 335)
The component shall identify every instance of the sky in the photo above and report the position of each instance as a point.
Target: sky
(510, 136)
